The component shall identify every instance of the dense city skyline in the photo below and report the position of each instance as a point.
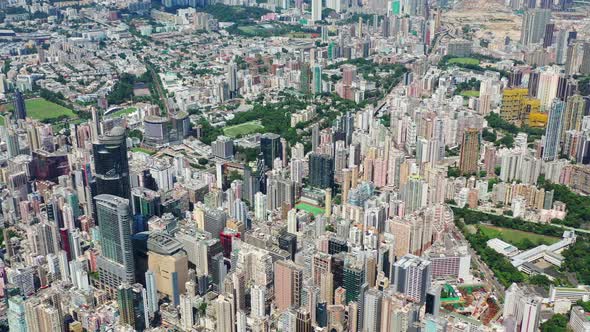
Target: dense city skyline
(306, 165)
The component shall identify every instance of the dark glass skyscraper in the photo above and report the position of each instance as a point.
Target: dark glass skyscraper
(111, 165)
(131, 307)
(20, 108)
(270, 146)
(321, 170)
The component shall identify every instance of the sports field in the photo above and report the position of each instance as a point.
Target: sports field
(515, 237)
(243, 129)
(144, 150)
(464, 61)
(309, 208)
(42, 109)
(123, 112)
(469, 93)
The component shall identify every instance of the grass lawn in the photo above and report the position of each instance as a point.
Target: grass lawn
(123, 112)
(144, 150)
(464, 61)
(516, 237)
(41, 109)
(1, 120)
(243, 129)
(469, 93)
(309, 208)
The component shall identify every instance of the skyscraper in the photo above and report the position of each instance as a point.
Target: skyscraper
(20, 108)
(551, 143)
(305, 78)
(372, 310)
(131, 306)
(270, 147)
(354, 277)
(288, 279)
(316, 10)
(469, 151)
(303, 322)
(321, 170)
(232, 79)
(412, 277)
(111, 166)
(115, 264)
(533, 25)
(317, 79)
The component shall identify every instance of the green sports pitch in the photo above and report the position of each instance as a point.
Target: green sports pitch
(243, 129)
(43, 110)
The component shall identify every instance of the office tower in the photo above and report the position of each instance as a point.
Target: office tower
(551, 144)
(270, 147)
(232, 79)
(469, 151)
(316, 87)
(111, 166)
(372, 310)
(288, 279)
(316, 10)
(223, 147)
(412, 277)
(115, 264)
(321, 170)
(303, 322)
(533, 25)
(131, 306)
(20, 108)
(354, 277)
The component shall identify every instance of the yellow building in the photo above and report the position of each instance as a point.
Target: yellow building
(531, 109)
(538, 120)
(520, 109)
(512, 104)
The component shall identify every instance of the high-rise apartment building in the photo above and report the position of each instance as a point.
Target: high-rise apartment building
(288, 278)
(412, 277)
(533, 25)
(552, 133)
(469, 152)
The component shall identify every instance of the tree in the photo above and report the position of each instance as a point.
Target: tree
(557, 323)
